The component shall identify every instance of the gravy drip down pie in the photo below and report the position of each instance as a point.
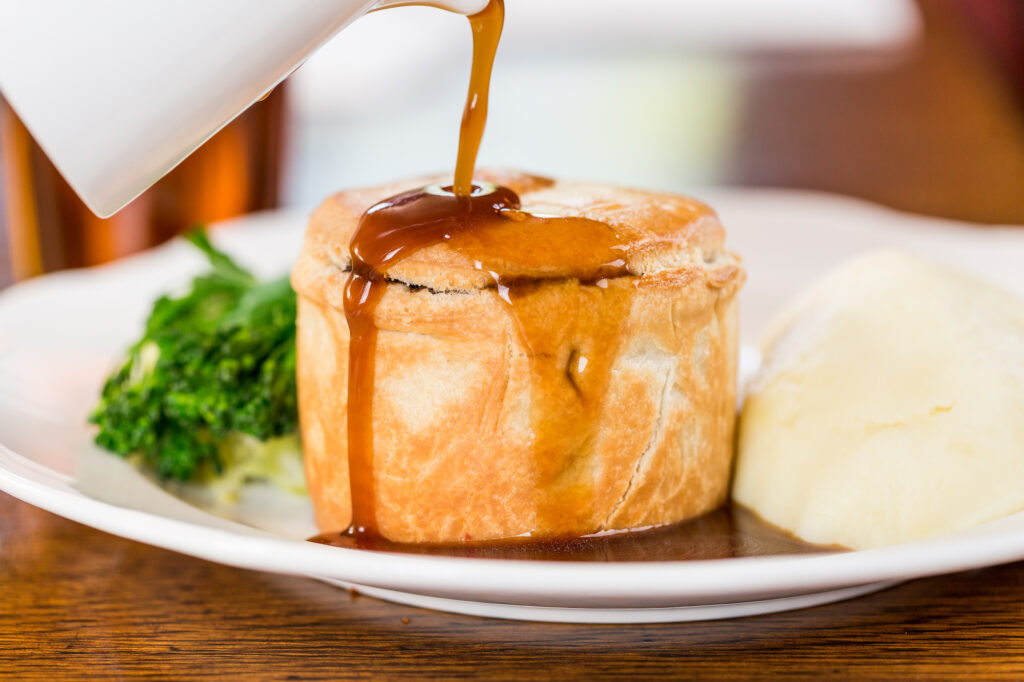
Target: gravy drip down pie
(509, 357)
(547, 360)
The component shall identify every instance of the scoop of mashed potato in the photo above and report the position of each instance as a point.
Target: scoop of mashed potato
(889, 408)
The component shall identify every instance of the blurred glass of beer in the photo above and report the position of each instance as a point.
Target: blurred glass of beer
(44, 226)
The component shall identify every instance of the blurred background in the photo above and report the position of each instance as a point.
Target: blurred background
(918, 105)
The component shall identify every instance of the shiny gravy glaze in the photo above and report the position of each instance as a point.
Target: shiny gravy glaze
(726, 533)
(500, 238)
(487, 223)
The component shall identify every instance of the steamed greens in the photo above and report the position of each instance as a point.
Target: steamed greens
(215, 368)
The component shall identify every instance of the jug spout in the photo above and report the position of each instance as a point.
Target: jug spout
(118, 92)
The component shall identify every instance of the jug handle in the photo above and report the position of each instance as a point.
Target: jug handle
(458, 6)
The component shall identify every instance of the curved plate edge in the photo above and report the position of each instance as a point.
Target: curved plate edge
(680, 614)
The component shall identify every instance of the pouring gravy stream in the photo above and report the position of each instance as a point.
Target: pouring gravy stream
(487, 223)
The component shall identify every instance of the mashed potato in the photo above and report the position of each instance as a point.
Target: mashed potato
(890, 407)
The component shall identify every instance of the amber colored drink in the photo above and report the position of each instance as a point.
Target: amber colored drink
(44, 226)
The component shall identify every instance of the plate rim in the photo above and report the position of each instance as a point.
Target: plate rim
(561, 584)
(527, 583)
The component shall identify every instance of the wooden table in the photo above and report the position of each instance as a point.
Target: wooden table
(78, 602)
(940, 134)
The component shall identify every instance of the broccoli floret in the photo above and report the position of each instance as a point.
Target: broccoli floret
(216, 361)
(277, 461)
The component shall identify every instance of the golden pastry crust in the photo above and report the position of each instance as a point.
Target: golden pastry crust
(455, 429)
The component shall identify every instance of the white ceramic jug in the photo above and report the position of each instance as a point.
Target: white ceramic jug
(119, 92)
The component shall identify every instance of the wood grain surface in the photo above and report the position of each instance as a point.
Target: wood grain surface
(940, 132)
(80, 603)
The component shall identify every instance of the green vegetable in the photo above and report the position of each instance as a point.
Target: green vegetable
(215, 362)
(277, 461)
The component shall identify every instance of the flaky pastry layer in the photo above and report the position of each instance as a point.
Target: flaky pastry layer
(457, 396)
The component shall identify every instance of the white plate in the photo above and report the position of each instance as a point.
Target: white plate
(60, 334)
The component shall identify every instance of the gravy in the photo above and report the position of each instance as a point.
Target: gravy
(726, 533)
(570, 360)
(487, 224)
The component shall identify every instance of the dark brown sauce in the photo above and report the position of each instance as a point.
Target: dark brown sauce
(578, 260)
(502, 240)
(569, 362)
(727, 533)
(393, 230)
(486, 27)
